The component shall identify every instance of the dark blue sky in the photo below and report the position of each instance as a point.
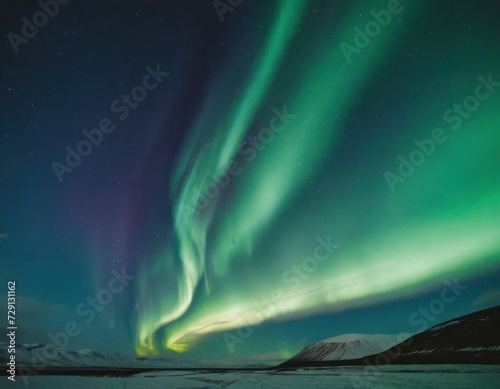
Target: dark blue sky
(219, 155)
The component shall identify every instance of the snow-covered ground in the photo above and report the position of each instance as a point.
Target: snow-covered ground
(387, 377)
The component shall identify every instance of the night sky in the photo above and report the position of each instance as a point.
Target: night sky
(229, 187)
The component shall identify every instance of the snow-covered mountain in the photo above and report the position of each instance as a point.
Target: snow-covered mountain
(348, 346)
(472, 339)
(40, 355)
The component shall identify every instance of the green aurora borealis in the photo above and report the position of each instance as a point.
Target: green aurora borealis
(307, 169)
(222, 261)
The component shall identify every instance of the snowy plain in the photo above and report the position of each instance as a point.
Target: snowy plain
(386, 377)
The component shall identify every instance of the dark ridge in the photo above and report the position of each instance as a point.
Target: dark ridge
(469, 339)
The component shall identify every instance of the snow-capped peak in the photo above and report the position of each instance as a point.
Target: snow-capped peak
(28, 354)
(349, 346)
